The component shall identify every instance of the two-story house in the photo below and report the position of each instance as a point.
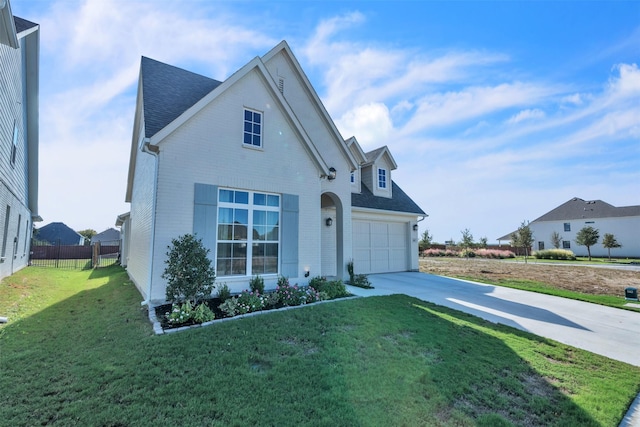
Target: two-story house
(256, 168)
(19, 73)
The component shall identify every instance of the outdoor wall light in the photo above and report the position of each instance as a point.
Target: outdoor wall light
(329, 221)
(415, 227)
(306, 273)
(332, 174)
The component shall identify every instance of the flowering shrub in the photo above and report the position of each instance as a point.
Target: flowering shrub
(249, 301)
(494, 253)
(256, 284)
(180, 313)
(291, 295)
(439, 252)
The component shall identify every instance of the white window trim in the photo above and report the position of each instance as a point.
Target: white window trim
(386, 179)
(251, 146)
(251, 207)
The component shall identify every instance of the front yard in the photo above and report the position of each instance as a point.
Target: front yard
(79, 350)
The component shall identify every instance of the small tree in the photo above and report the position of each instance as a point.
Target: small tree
(556, 239)
(609, 241)
(523, 238)
(588, 236)
(467, 242)
(425, 241)
(483, 242)
(189, 274)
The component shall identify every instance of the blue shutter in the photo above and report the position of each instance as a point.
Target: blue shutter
(289, 235)
(205, 216)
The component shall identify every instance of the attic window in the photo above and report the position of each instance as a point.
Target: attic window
(252, 128)
(382, 178)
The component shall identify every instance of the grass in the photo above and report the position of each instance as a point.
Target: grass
(543, 288)
(578, 260)
(79, 351)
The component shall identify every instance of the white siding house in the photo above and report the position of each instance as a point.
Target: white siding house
(255, 167)
(570, 217)
(19, 62)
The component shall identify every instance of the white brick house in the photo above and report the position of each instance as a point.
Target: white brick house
(255, 167)
(570, 217)
(19, 73)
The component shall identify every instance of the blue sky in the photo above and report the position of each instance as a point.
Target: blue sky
(496, 112)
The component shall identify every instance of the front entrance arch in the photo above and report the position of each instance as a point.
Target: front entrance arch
(332, 241)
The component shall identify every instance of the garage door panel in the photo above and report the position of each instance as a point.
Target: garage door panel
(380, 247)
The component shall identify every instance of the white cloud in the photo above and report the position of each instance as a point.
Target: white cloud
(370, 123)
(530, 114)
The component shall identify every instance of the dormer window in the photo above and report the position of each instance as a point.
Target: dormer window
(382, 178)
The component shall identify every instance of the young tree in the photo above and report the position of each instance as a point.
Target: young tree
(483, 242)
(467, 241)
(426, 240)
(556, 239)
(609, 241)
(588, 236)
(523, 238)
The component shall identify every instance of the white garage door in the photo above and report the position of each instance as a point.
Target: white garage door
(380, 247)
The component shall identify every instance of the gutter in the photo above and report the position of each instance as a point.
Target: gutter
(154, 151)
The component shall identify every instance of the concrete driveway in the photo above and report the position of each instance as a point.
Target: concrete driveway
(611, 332)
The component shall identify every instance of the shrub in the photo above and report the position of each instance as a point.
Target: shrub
(467, 253)
(224, 293)
(257, 284)
(361, 281)
(282, 281)
(291, 295)
(249, 302)
(333, 288)
(180, 313)
(229, 307)
(562, 254)
(189, 274)
(203, 313)
(494, 253)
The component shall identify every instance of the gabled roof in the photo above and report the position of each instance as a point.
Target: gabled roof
(168, 92)
(400, 202)
(58, 233)
(108, 235)
(8, 33)
(23, 25)
(375, 155)
(356, 150)
(577, 208)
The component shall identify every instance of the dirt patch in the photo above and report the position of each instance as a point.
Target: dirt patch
(589, 280)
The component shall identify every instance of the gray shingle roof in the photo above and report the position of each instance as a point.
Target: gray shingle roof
(400, 202)
(22, 24)
(168, 92)
(577, 208)
(58, 233)
(373, 155)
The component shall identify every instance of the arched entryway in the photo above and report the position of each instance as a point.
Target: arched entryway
(332, 250)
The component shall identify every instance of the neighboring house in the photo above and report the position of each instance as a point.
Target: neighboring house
(256, 168)
(110, 236)
(57, 233)
(570, 217)
(19, 74)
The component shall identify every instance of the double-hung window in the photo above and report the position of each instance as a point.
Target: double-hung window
(252, 128)
(382, 178)
(248, 233)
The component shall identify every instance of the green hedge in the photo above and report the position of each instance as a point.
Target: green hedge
(562, 254)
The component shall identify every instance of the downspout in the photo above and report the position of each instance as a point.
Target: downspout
(153, 150)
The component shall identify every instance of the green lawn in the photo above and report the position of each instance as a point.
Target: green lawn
(79, 350)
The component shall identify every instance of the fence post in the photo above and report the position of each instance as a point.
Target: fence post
(95, 258)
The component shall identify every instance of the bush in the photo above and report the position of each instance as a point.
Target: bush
(467, 253)
(291, 295)
(256, 284)
(361, 281)
(333, 288)
(189, 274)
(561, 254)
(224, 293)
(203, 313)
(494, 254)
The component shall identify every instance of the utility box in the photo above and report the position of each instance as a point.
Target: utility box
(631, 293)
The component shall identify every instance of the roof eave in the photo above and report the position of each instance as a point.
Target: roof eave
(8, 34)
